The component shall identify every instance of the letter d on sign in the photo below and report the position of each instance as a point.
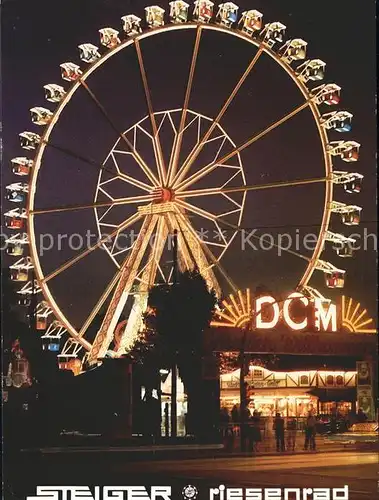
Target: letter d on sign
(260, 323)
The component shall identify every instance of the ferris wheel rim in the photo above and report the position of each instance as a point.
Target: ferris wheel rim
(306, 275)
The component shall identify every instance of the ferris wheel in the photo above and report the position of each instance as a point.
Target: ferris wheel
(162, 193)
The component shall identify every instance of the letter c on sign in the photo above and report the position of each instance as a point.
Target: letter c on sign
(286, 313)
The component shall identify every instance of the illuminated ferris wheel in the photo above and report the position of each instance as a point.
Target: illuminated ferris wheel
(162, 194)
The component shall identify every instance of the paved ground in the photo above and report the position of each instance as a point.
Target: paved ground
(359, 470)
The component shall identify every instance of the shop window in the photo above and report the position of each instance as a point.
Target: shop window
(327, 408)
(257, 374)
(339, 380)
(344, 407)
(304, 406)
(330, 380)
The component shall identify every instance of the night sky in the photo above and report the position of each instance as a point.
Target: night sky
(40, 35)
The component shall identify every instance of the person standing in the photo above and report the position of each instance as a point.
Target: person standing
(310, 432)
(235, 414)
(279, 432)
(166, 420)
(255, 431)
(224, 422)
(291, 434)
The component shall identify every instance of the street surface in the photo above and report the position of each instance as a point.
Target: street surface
(359, 470)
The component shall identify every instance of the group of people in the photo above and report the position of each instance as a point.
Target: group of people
(282, 429)
(291, 428)
(286, 430)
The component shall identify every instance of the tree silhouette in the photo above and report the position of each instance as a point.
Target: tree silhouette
(175, 322)
(48, 397)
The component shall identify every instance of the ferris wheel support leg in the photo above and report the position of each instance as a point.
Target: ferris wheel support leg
(207, 251)
(186, 261)
(198, 147)
(179, 136)
(134, 323)
(194, 244)
(121, 293)
(162, 173)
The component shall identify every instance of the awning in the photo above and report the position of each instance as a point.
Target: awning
(284, 392)
(325, 395)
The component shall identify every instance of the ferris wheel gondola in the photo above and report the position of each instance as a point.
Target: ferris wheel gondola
(168, 192)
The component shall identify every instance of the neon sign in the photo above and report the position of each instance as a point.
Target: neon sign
(296, 312)
(324, 314)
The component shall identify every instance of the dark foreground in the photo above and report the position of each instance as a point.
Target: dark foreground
(359, 470)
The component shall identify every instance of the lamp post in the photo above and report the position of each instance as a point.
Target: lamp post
(243, 402)
(174, 388)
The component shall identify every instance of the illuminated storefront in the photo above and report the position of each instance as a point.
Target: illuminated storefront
(313, 331)
(292, 393)
(315, 368)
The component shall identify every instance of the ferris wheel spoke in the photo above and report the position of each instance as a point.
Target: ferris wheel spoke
(234, 202)
(100, 303)
(212, 166)
(162, 173)
(149, 174)
(197, 210)
(131, 220)
(263, 238)
(126, 178)
(98, 166)
(179, 136)
(257, 187)
(76, 155)
(221, 269)
(116, 201)
(198, 147)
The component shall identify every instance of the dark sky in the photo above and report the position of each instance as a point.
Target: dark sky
(38, 36)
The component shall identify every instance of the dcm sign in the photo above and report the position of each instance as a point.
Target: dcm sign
(325, 313)
(296, 311)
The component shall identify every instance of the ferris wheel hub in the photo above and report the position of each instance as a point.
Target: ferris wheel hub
(163, 195)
